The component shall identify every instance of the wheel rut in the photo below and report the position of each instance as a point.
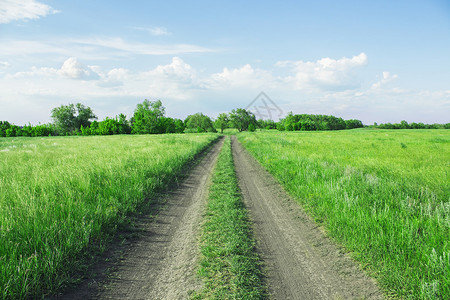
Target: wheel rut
(300, 262)
(162, 262)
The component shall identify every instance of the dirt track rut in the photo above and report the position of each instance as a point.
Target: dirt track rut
(300, 262)
(162, 262)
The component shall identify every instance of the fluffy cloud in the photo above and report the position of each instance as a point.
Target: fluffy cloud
(176, 70)
(326, 73)
(176, 80)
(114, 78)
(13, 10)
(246, 76)
(73, 69)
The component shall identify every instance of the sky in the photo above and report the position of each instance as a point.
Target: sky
(376, 61)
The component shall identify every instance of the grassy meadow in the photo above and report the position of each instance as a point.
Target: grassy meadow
(63, 195)
(383, 194)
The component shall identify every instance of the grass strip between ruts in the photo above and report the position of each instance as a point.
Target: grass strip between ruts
(229, 264)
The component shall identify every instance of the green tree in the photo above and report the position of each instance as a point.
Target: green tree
(306, 125)
(85, 130)
(84, 115)
(146, 118)
(42, 130)
(167, 125)
(241, 119)
(10, 132)
(4, 125)
(68, 118)
(94, 128)
(350, 124)
(222, 122)
(200, 123)
(179, 126)
(266, 124)
(123, 124)
(108, 127)
(404, 125)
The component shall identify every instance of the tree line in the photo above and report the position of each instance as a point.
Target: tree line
(308, 122)
(405, 125)
(149, 118)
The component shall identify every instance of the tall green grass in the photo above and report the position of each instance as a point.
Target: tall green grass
(61, 196)
(230, 267)
(383, 194)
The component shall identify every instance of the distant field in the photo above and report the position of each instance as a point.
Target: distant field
(383, 194)
(59, 196)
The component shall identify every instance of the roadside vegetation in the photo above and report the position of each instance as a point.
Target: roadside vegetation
(382, 194)
(63, 197)
(229, 264)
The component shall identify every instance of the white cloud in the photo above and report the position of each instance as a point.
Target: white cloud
(4, 64)
(176, 80)
(94, 49)
(73, 69)
(176, 70)
(114, 78)
(159, 31)
(326, 73)
(119, 74)
(35, 71)
(13, 10)
(139, 48)
(156, 31)
(246, 76)
(387, 77)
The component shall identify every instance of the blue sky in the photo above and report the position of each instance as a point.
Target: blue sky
(377, 61)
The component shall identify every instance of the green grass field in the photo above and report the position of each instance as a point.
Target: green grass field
(230, 267)
(383, 194)
(61, 196)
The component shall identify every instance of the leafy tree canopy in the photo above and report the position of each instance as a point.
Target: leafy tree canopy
(241, 119)
(147, 117)
(68, 118)
(199, 122)
(222, 122)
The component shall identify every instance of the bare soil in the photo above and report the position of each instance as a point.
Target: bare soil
(300, 262)
(160, 262)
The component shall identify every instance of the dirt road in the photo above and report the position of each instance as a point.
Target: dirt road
(162, 262)
(300, 262)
